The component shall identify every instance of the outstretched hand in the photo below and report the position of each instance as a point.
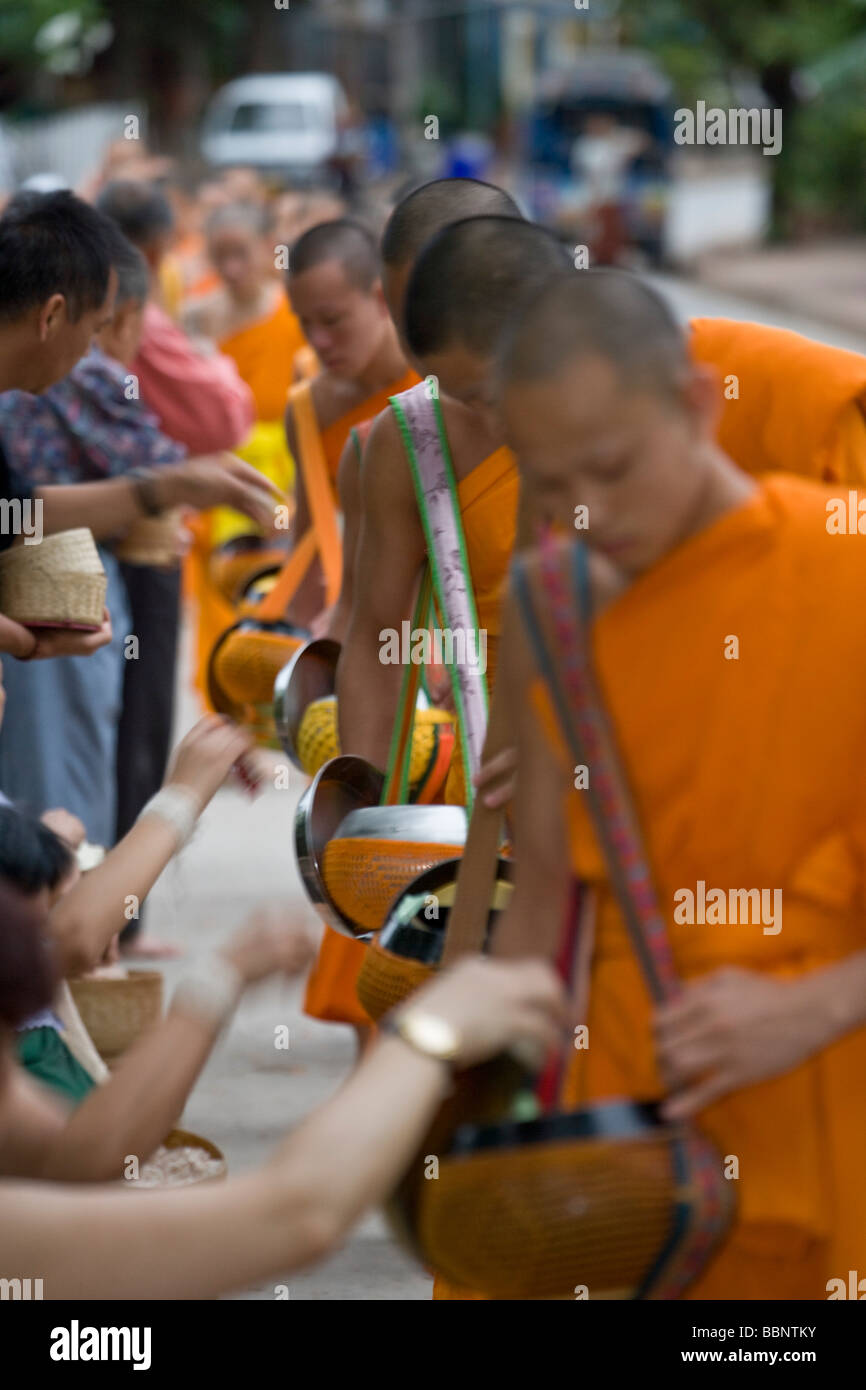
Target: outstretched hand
(272, 942)
(204, 758)
(495, 1006)
(223, 480)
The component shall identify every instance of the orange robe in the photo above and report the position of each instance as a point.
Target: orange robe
(789, 404)
(334, 436)
(263, 353)
(488, 505)
(745, 774)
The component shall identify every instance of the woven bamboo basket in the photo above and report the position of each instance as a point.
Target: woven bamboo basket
(58, 583)
(152, 540)
(116, 1011)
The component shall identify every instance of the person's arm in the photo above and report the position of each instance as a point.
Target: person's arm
(200, 1242)
(83, 921)
(133, 1111)
(390, 554)
(349, 489)
(109, 507)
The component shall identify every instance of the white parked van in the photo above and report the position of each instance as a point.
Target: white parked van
(284, 124)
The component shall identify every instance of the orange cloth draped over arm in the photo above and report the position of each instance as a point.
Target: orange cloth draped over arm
(717, 753)
(789, 404)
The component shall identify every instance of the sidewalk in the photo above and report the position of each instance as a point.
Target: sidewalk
(824, 280)
(250, 1094)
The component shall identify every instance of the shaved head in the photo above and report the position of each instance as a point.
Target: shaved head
(349, 243)
(600, 313)
(612, 424)
(426, 210)
(472, 279)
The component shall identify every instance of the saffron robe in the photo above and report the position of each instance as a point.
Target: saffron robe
(263, 353)
(789, 404)
(745, 773)
(334, 436)
(488, 506)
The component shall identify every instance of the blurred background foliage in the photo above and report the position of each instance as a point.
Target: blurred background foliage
(807, 56)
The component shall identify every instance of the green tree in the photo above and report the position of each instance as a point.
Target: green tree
(704, 40)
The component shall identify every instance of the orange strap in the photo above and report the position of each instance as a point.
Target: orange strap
(317, 484)
(323, 536)
(273, 605)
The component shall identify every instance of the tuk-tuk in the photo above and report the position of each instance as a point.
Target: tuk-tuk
(625, 95)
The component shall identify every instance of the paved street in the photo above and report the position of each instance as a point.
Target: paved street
(241, 857)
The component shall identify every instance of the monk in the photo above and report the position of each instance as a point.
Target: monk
(334, 283)
(392, 550)
(248, 317)
(252, 322)
(331, 990)
(727, 665)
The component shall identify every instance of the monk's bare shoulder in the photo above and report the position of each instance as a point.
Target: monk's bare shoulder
(386, 479)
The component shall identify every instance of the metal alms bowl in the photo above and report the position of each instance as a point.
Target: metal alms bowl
(424, 825)
(418, 921)
(342, 786)
(310, 675)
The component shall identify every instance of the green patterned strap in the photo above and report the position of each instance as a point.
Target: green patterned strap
(419, 418)
(396, 789)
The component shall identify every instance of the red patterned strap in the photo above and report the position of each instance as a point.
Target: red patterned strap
(560, 639)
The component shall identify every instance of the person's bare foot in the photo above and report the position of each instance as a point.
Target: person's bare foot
(146, 947)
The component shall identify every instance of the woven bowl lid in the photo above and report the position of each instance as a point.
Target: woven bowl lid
(64, 553)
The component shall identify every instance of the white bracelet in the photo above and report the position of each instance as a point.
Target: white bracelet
(178, 807)
(210, 991)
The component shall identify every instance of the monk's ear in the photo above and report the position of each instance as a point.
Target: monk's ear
(701, 393)
(378, 294)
